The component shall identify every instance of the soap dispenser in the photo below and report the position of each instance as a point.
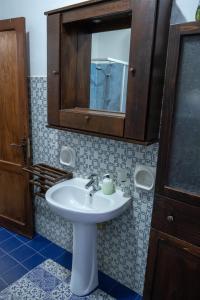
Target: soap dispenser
(107, 185)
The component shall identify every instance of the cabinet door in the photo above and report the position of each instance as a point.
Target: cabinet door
(173, 269)
(179, 161)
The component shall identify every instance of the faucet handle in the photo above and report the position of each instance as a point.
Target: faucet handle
(92, 176)
(106, 176)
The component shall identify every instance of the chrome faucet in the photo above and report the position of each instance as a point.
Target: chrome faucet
(94, 183)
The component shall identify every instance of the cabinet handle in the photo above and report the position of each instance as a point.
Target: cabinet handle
(54, 72)
(170, 219)
(87, 118)
(132, 70)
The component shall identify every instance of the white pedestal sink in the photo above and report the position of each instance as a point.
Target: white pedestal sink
(72, 201)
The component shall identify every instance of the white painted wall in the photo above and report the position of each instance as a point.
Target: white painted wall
(33, 11)
(114, 44)
(188, 8)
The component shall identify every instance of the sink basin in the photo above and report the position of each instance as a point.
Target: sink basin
(71, 200)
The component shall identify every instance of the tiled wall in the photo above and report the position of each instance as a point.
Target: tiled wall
(123, 242)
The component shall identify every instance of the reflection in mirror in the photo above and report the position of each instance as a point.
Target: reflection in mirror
(184, 11)
(109, 70)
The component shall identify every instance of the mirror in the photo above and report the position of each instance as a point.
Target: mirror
(109, 70)
(183, 11)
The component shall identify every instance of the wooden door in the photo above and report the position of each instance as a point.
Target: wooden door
(173, 271)
(15, 200)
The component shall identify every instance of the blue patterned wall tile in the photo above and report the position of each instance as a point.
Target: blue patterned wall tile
(123, 242)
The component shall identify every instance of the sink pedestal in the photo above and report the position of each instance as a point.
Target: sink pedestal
(84, 277)
(69, 199)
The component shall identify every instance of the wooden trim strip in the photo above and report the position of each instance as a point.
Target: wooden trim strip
(103, 9)
(79, 5)
(106, 123)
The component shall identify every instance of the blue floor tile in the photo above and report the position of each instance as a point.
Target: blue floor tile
(2, 285)
(6, 263)
(22, 238)
(33, 261)
(2, 253)
(4, 235)
(65, 260)
(14, 274)
(10, 232)
(138, 297)
(22, 253)
(121, 292)
(52, 251)
(38, 243)
(10, 244)
(31, 253)
(106, 283)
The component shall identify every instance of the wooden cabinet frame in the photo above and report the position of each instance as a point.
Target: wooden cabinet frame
(174, 247)
(177, 33)
(69, 50)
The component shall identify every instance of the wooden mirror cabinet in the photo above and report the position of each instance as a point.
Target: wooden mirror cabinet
(70, 34)
(173, 268)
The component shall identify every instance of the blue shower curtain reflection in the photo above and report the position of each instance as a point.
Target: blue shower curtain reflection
(108, 86)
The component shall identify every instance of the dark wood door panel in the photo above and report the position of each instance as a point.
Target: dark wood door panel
(173, 270)
(15, 204)
(137, 97)
(11, 203)
(15, 200)
(9, 105)
(178, 219)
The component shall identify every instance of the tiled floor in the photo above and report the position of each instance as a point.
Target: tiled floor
(48, 281)
(18, 255)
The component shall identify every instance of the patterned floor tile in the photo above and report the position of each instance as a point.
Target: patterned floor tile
(22, 289)
(51, 283)
(100, 295)
(44, 283)
(56, 270)
(43, 279)
(62, 292)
